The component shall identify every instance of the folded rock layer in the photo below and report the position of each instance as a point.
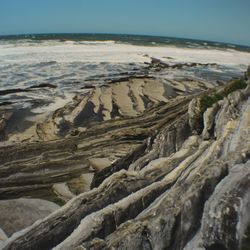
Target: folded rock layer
(144, 170)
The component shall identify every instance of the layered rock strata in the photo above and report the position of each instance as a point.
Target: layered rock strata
(171, 172)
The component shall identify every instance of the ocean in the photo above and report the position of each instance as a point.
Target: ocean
(70, 62)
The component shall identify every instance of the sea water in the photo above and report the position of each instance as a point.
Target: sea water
(70, 62)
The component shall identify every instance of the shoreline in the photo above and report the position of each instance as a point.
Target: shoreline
(128, 95)
(142, 150)
(104, 37)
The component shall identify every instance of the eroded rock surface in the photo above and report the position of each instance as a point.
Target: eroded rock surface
(138, 169)
(18, 214)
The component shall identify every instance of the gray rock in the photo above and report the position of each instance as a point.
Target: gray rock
(209, 118)
(18, 214)
(165, 188)
(247, 74)
(195, 116)
(3, 236)
(226, 214)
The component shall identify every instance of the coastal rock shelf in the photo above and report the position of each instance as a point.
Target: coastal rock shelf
(135, 164)
(120, 97)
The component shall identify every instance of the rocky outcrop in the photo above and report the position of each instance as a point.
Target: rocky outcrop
(209, 121)
(4, 118)
(3, 237)
(172, 174)
(247, 74)
(23, 213)
(126, 98)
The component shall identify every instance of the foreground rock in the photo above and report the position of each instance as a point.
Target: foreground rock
(173, 175)
(20, 213)
(3, 237)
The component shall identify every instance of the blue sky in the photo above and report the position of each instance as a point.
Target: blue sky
(217, 20)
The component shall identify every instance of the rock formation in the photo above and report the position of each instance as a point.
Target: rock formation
(140, 165)
(23, 212)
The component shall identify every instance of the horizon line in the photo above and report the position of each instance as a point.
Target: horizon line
(122, 34)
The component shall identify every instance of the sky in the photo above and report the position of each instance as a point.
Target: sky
(214, 20)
